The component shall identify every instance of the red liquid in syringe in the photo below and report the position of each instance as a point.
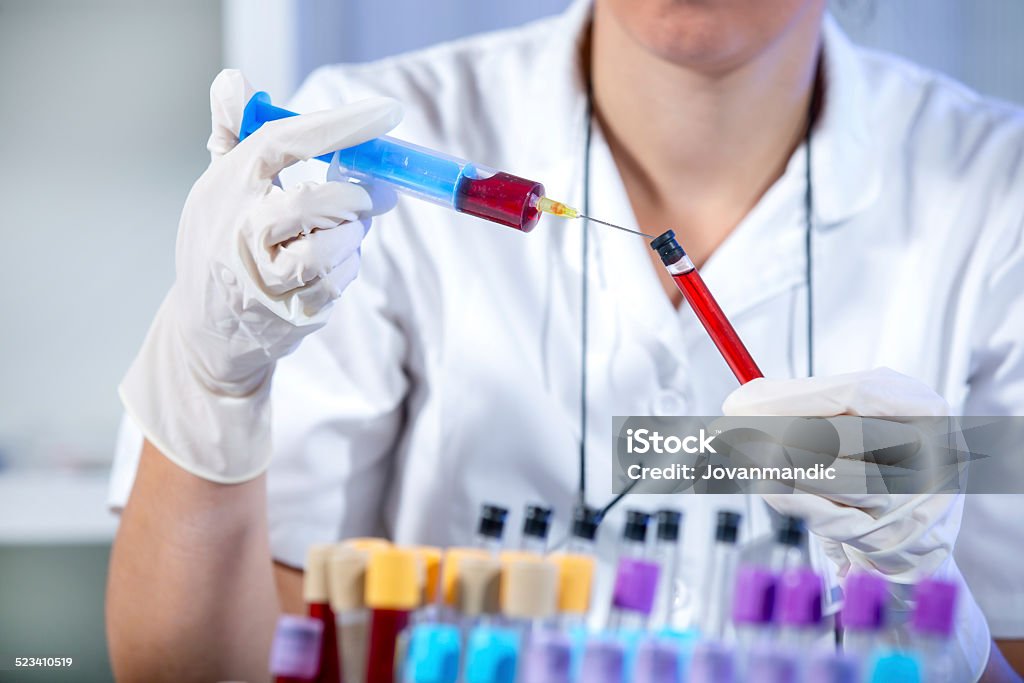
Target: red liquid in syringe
(710, 314)
(501, 198)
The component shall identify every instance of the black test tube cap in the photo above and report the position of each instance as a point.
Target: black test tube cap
(585, 521)
(668, 524)
(667, 247)
(791, 531)
(492, 521)
(728, 527)
(636, 526)
(537, 521)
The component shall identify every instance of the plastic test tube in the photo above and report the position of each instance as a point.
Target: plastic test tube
(932, 624)
(657, 661)
(295, 651)
(393, 591)
(429, 650)
(604, 661)
(798, 611)
(863, 614)
(585, 521)
(790, 545)
(753, 604)
(547, 658)
(710, 314)
(666, 554)
(491, 528)
(536, 524)
(719, 576)
(317, 598)
(346, 579)
(427, 174)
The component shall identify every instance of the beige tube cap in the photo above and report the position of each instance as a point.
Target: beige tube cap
(346, 578)
(575, 580)
(314, 581)
(477, 585)
(450, 569)
(529, 587)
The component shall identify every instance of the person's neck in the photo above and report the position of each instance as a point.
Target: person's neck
(697, 150)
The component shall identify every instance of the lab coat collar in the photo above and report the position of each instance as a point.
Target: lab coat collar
(846, 172)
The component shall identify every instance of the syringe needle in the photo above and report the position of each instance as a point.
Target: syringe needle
(617, 227)
(554, 208)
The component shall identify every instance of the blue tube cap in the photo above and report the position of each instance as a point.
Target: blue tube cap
(434, 651)
(896, 668)
(491, 655)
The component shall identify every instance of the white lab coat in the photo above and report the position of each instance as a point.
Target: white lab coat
(448, 374)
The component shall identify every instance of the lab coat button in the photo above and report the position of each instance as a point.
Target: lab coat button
(668, 402)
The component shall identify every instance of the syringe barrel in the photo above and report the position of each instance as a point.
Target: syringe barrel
(423, 173)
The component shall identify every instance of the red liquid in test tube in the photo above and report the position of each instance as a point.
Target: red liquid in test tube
(393, 590)
(710, 314)
(316, 597)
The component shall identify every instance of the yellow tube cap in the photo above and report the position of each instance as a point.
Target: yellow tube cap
(575, 578)
(393, 579)
(430, 571)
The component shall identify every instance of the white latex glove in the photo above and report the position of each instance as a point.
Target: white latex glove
(903, 537)
(257, 269)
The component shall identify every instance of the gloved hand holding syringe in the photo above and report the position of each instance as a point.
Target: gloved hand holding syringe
(436, 177)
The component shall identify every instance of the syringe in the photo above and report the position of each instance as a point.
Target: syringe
(436, 177)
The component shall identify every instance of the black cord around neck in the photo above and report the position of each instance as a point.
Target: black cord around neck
(812, 111)
(584, 298)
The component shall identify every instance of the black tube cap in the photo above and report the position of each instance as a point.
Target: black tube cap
(492, 521)
(585, 521)
(636, 526)
(536, 521)
(791, 532)
(728, 527)
(667, 247)
(668, 524)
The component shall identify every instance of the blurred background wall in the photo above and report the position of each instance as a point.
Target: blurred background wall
(103, 122)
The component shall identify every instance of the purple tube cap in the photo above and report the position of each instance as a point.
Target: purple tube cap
(603, 661)
(864, 601)
(935, 607)
(295, 651)
(712, 663)
(636, 584)
(800, 593)
(657, 661)
(753, 601)
(548, 658)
